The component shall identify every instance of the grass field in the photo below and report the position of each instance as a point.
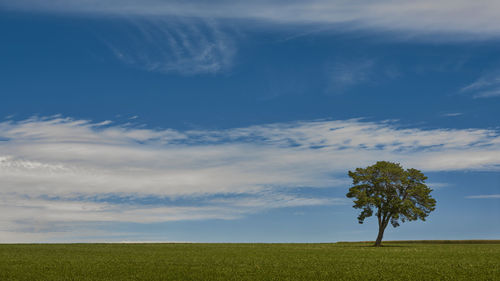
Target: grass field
(341, 261)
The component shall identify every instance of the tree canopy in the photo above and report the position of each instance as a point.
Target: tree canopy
(394, 194)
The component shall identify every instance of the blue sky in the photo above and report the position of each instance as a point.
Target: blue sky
(229, 121)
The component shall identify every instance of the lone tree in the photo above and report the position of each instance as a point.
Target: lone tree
(393, 193)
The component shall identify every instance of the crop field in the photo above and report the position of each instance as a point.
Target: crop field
(339, 261)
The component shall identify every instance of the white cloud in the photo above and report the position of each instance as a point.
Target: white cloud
(60, 172)
(487, 86)
(475, 18)
(489, 196)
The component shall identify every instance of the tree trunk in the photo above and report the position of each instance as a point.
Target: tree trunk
(380, 235)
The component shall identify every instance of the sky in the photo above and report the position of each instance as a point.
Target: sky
(238, 121)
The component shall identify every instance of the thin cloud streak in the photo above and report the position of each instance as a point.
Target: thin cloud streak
(470, 18)
(489, 196)
(487, 86)
(453, 114)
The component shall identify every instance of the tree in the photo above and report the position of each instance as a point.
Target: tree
(395, 194)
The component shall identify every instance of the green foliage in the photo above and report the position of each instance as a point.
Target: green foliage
(353, 261)
(394, 194)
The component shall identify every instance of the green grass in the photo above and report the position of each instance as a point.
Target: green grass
(341, 261)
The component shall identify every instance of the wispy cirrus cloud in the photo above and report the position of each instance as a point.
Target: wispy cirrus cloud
(452, 114)
(488, 196)
(473, 18)
(191, 38)
(59, 173)
(487, 86)
(172, 45)
(343, 75)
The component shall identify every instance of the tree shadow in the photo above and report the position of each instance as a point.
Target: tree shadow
(353, 245)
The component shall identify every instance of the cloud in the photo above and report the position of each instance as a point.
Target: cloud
(452, 114)
(63, 175)
(168, 45)
(487, 86)
(490, 196)
(473, 18)
(343, 75)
